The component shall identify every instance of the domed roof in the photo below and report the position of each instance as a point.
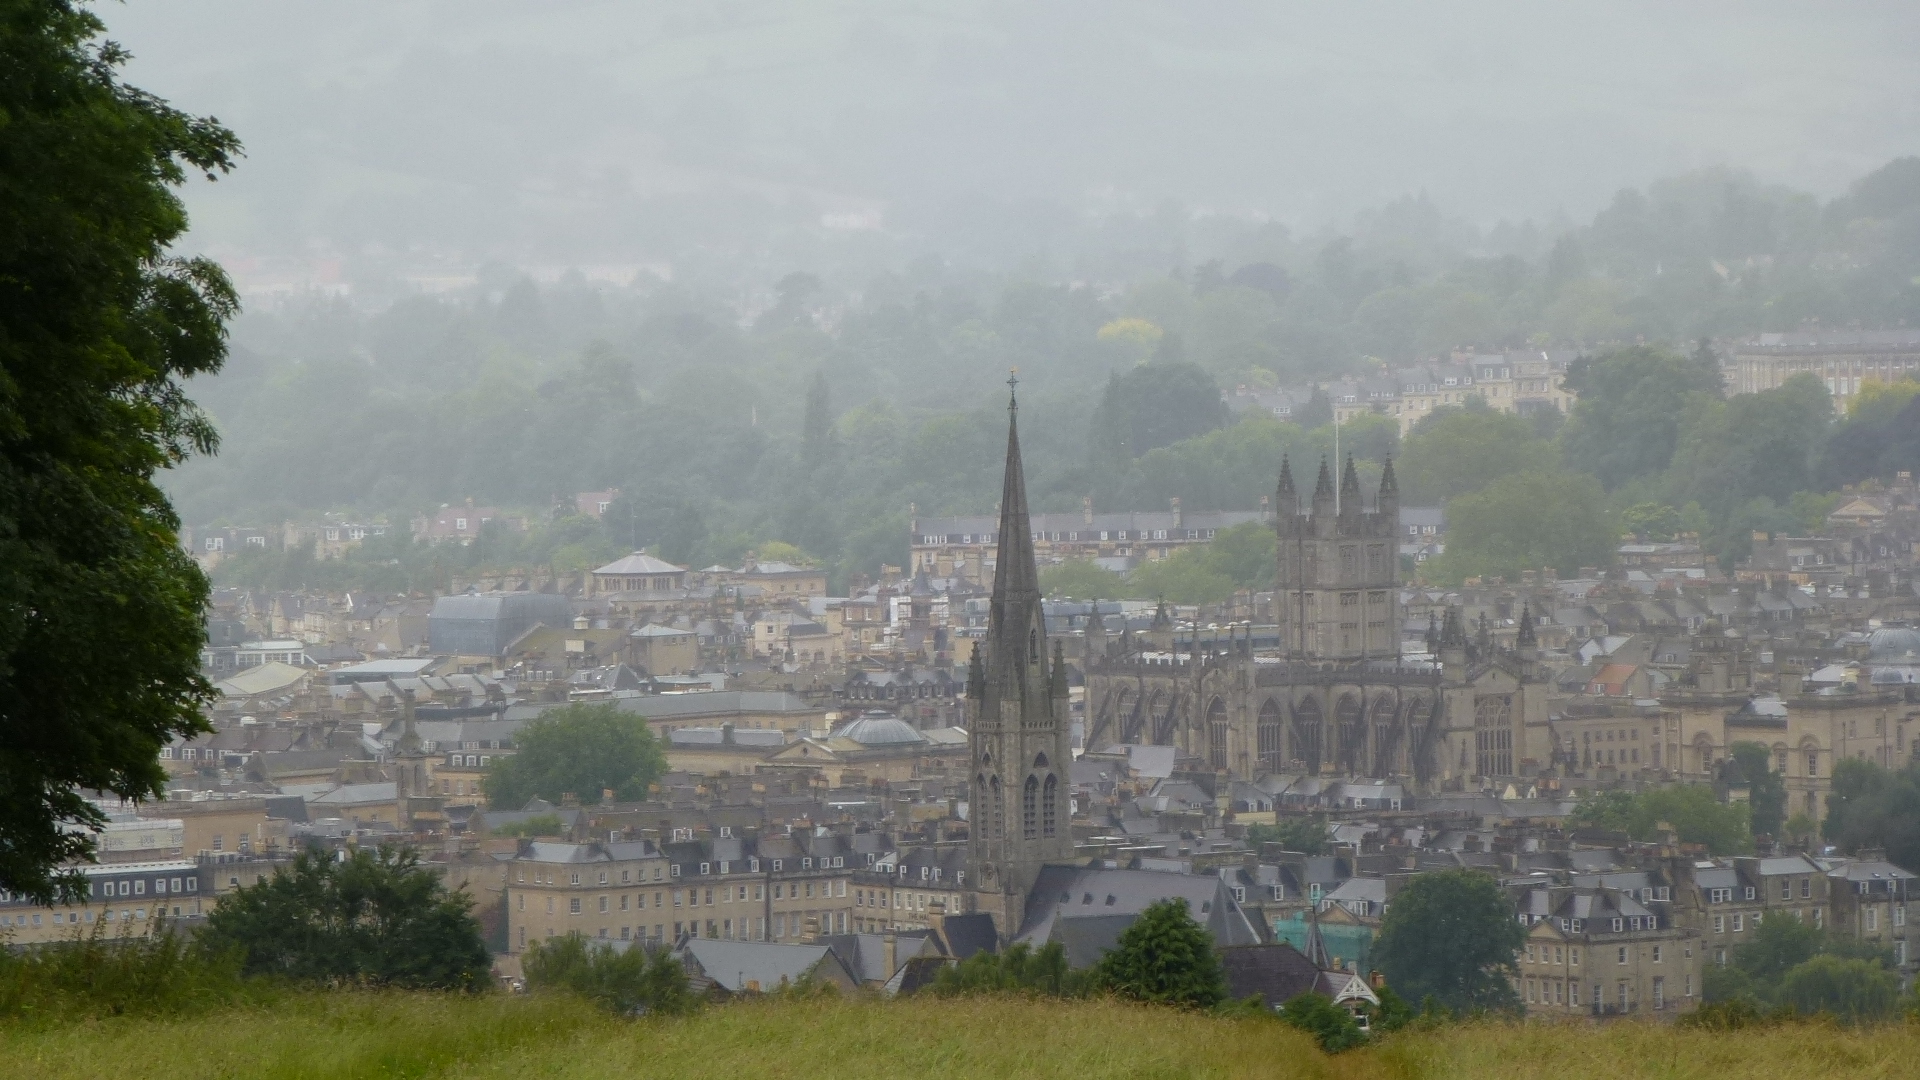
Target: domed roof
(1894, 643)
(878, 729)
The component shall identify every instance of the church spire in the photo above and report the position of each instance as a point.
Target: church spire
(1016, 629)
(1389, 486)
(1286, 501)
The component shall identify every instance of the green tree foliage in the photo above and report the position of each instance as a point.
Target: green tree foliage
(632, 982)
(99, 327)
(1627, 421)
(538, 825)
(1165, 958)
(1333, 1027)
(1153, 405)
(1019, 969)
(1766, 789)
(578, 749)
(816, 433)
(1875, 807)
(1695, 813)
(1188, 576)
(1527, 521)
(1457, 451)
(1854, 991)
(1452, 935)
(1307, 835)
(1082, 579)
(375, 918)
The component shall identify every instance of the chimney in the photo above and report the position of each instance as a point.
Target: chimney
(1086, 510)
(890, 952)
(1177, 520)
(726, 733)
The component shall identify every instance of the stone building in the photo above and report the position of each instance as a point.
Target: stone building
(1335, 696)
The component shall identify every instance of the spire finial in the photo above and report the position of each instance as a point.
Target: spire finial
(1013, 381)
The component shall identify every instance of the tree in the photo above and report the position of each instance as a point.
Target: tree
(1451, 934)
(1875, 807)
(1185, 577)
(1779, 943)
(816, 436)
(1627, 421)
(634, 981)
(377, 918)
(1457, 451)
(580, 750)
(1852, 990)
(1317, 412)
(1695, 812)
(99, 326)
(1306, 835)
(1333, 1027)
(1766, 791)
(1526, 521)
(1081, 578)
(1153, 405)
(1165, 958)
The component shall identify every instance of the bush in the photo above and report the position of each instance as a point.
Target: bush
(1332, 1027)
(1850, 990)
(1020, 969)
(372, 918)
(99, 976)
(632, 982)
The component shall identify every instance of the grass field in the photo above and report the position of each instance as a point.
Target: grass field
(417, 1035)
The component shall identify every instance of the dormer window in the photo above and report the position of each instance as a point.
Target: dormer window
(706, 868)
(806, 863)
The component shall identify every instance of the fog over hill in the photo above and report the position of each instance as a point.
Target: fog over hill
(412, 143)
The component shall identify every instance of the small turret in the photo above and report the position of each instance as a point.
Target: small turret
(1350, 490)
(1323, 493)
(1388, 505)
(976, 676)
(1525, 642)
(1453, 640)
(1286, 501)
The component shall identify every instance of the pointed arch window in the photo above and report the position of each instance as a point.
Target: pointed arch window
(1033, 646)
(1271, 760)
(1030, 808)
(997, 826)
(1049, 804)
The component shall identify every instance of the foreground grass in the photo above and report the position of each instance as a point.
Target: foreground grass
(323, 1035)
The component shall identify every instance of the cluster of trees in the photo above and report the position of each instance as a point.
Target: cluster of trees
(584, 750)
(822, 419)
(1875, 807)
(1693, 810)
(1799, 968)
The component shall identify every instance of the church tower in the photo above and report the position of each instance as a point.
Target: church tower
(1338, 591)
(1018, 728)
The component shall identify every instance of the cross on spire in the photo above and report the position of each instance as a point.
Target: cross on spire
(1013, 381)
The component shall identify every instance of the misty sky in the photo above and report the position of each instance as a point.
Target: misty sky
(446, 134)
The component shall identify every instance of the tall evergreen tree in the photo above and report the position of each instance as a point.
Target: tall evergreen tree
(100, 609)
(1165, 958)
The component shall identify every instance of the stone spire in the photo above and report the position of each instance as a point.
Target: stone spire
(1016, 628)
(1388, 503)
(1323, 491)
(1350, 490)
(1286, 501)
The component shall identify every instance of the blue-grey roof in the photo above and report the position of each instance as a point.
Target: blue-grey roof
(880, 730)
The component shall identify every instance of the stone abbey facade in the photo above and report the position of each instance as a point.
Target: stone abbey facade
(1327, 691)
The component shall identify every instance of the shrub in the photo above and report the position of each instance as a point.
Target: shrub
(373, 918)
(1333, 1027)
(99, 976)
(632, 982)
(1020, 969)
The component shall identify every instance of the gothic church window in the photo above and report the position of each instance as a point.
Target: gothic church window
(1029, 808)
(1048, 803)
(997, 827)
(1268, 732)
(1493, 735)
